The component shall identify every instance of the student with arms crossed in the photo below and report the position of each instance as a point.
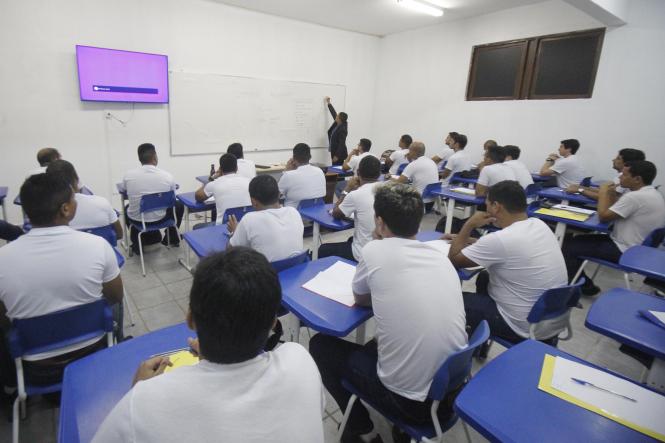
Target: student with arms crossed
(448, 150)
(398, 157)
(237, 392)
(420, 320)
(230, 189)
(565, 165)
(301, 181)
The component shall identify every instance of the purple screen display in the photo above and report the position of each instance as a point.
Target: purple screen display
(111, 75)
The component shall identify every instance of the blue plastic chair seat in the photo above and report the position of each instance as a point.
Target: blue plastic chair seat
(119, 257)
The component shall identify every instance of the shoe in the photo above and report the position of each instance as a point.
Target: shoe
(400, 436)
(589, 288)
(484, 349)
(355, 437)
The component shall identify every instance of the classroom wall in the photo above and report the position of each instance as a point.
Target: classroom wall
(39, 97)
(422, 77)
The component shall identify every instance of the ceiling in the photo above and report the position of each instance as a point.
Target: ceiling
(374, 17)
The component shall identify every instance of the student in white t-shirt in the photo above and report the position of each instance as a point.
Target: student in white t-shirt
(624, 157)
(635, 215)
(356, 201)
(523, 260)
(237, 392)
(448, 150)
(273, 230)
(419, 319)
(488, 144)
(54, 267)
(301, 181)
(229, 188)
(246, 168)
(421, 170)
(565, 165)
(398, 156)
(352, 161)
(522, 174)
(44, 157)
(459, 161)
(494, 171)
(92, 211)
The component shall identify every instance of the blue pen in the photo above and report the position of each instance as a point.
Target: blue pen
(591, 385)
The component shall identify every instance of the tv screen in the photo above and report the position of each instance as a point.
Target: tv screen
(111, 75)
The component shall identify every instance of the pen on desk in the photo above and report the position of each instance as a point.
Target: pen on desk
(591, 385)
(173, 351)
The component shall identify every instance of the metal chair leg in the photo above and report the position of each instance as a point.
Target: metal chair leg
(626, 278)
(141, 254)
(15, 421)
(128, 309)
(466, 431)
(579, 272)
(347, 413)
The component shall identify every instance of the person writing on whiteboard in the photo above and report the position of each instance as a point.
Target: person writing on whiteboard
(337, 135)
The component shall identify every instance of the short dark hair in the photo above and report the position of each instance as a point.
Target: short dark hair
(343, 116)
(365, 144)
(572, 144)
(496, 154)
(631, 155)
(47, 155)
(235, 149)
(406, 139)
(228, 163)
(513, 151)
(146, 152)
(302, 153)
(234, 300)
(65, 171)
(644, 169)
(369, 168)
(401, 207)
(509, 194)
(42, 195)
(264, 188)
(460, 139)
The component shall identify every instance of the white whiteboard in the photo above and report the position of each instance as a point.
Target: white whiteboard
(207, 112)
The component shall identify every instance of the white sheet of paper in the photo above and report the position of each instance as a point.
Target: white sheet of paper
(467, 191)
(646, 412)
(659, 315)
(210, 199)
(575, 209)
(334, 283)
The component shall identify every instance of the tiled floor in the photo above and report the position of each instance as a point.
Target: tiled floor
(160, 299)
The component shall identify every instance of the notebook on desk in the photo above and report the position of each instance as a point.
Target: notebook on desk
(465, 191)
(334, 283)
(563, 213)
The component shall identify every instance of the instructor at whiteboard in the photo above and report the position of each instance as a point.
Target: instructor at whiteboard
(337, 135)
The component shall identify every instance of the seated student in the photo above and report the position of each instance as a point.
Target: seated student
(357, 200)
(44, 157)
(92, 211)
(522, 174)
(246, 168)
(398, 157)
(301, 181)
(54, 267)
(352, 161)
(230, 189)
(488, 144)
(448, 150)
(624, 157)
(459, 161)
(635, 215)
(523, 260)
(494, 171)
(421, 170)
(237, 392)
(9, 232)
(149, 179)
(273, 230)
(420, 319)
(565, 166)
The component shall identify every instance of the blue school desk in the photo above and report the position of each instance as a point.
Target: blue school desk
(338, 170)
(540, 178)
(319, 215)
(644, 260)
(203, 179)
(467, 181)
(204, 242)
(503, 402)
(593, 223)
(191, 206)
(616, 315)
(92, 386)
(446, 193)
(566, 198)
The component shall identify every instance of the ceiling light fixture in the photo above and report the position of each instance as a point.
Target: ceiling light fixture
(425, 8)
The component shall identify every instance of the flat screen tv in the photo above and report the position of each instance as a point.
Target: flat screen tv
(112, 75)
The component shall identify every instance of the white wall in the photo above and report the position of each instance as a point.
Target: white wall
(422, 79)
(39, 98)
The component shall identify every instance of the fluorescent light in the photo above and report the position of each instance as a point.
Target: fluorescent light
(416, 5)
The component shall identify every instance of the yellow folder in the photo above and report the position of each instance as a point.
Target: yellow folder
(562, 213)
(181, 358)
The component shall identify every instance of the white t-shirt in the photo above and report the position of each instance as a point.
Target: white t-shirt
(274, 397)
(523, 260)
(569, 171)
(92, 211)
(641, 212)
(617, 181)
(303, 183)
(422, 172)
(446, 153)
(522, 174)
(458, 162)
(360, 204)
(490, 175)
(398, 158)
(147, 179)
(418, 308)
(230, 191)
(246, 168)
(354, 162)
(275, 233)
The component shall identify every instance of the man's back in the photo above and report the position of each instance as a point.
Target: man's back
(522, 174)
(360, 204)
(230, 191)
(422, 172)
(458, 162)
(305, 182)
(147, 179)
(641, 212)
(274, 397)
(398, 158)
(92, 211)
(246, 168)
(495, 173)
(569, 171)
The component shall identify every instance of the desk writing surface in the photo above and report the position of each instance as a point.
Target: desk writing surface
(560, 194)
(645, 261)
(593, 223)
(207, 241)
(189, 200)
(447, 192)
(321, 215)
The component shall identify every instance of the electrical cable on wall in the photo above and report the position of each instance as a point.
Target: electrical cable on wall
(110, 116)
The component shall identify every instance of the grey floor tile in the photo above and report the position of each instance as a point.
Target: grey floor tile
(137, 283)
(180, 288)
(166, 314)
(152, 297)
(183, 303)
(174, 275)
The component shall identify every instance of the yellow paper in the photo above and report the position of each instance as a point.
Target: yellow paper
(181, 358)
(562, 213)
(545, 384)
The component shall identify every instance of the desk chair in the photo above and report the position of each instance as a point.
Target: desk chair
(289, 262)
(586, 182)
(52, 332)
(311, 202)
(401, 168)
(239, 212)
(653, 240)
(454, 371)
(427, 193)
(155, 202)
(533, 189)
